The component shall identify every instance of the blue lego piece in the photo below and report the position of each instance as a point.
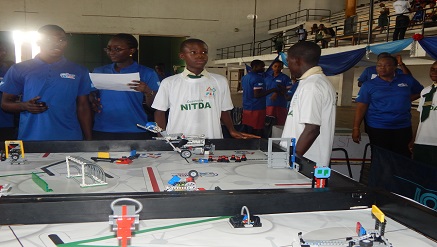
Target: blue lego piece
(293, 155)
(151, 125)
(362, 232)
(322, 172)
(174, 180)
(133, 153)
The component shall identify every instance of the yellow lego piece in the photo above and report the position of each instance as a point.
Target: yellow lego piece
(103, 155)
(378, 213)
(14, 145)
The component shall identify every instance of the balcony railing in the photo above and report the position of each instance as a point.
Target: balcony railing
(297, 17)
(361, 33)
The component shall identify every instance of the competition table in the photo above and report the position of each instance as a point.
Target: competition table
(279, 196)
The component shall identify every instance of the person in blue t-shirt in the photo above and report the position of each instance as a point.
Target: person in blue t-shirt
(254, 98)
(118, 112)
(276, 103)
(386, 103)
(370, 73)
(54, 92)
(7, 126)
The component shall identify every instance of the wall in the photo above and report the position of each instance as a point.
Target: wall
(213, 21)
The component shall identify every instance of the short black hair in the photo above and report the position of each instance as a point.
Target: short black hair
(130, 40)
(50, 27)
(190, 41)
(278, 61)
(309, 52)
(383, 54)
(393, 59)
(257, 62)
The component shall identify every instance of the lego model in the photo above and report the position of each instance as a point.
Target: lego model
(365, 238)
(184, 145)
(245, 219)
(4, 189)
(176, 183)
(279, 159)
(125, 219)
(86, 169)
(104, 156)
(15, 151)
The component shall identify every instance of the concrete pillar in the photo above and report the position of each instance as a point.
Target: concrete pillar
(345, 88)
(351, 8)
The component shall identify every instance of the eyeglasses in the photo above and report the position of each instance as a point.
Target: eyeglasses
(116, 49)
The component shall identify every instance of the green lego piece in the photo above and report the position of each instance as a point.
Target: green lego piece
(41, 183)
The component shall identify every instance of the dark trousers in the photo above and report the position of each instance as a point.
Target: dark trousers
(395, 140)
(7, 133)
(402, 22)
(426, 154)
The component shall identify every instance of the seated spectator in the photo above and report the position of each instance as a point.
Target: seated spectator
(431, 13)
(323, 36)
(314, 29)
(418, 16)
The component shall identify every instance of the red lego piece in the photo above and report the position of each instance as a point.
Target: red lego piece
(123, 161)
(320, 182)
(124, 225)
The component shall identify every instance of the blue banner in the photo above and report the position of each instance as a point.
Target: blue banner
(391, 47)
(429, 44)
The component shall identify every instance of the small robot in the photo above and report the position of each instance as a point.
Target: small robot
(184, 145)
(176, 183)
(245, 219)
(370, 238)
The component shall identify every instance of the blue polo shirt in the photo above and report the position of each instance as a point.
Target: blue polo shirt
(122, 110)
(389, 103)
(58, 84)
(6, 118)
(273, 82)
(250, 82)
(370, 73)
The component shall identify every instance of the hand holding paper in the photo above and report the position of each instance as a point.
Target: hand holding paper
(116, 82)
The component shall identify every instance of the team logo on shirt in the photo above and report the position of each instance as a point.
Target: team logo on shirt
(290, 113)
(67, 76)
(402, 85)
(195, 105)
(210, 92)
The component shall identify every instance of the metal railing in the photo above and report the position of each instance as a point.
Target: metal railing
(297, 17)
(361, 32)
(362, 28)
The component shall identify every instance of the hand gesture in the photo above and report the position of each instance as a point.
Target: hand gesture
(140, 87)
(35, 106)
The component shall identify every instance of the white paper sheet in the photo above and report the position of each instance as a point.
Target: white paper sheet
(117, 82)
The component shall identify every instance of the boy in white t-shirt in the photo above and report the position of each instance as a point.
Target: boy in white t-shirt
(199, 101)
